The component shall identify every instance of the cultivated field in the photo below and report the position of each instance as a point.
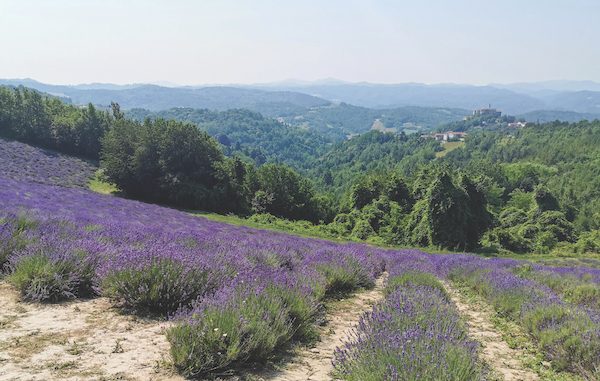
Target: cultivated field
(99, 287)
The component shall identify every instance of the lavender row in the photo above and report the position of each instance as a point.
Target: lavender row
(567, 335)
(416, 333)
(579, 287)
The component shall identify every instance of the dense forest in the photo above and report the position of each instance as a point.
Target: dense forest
(533, 189)
(250, 135)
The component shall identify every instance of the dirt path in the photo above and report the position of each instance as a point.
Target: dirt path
(79, 340)
(495, 351)
(315, 363)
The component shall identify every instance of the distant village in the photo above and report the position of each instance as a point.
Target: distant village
(487, 113)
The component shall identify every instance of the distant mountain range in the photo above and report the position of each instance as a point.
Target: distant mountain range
(519, 98)
(156, 98)
(571, 100)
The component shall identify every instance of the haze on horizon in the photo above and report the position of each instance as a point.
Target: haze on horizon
(191, 42)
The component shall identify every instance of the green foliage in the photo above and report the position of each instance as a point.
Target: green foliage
(284, 193)
(373, 152)
(164, 161)
(362, 230)
(250, 135)
(451, 213)
(588, 242)
(365, 191)
(29, 116)
(562, 157)
(447, 213)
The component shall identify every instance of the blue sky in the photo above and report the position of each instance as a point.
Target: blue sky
(222, 41)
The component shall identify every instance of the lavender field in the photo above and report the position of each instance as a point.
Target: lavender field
(236, 298)
(21, 161)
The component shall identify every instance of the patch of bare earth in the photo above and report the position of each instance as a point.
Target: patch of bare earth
(496, 352)
(78, 340)
(342, 317)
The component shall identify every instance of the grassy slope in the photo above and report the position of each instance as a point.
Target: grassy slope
(448, 147)
(97, 185)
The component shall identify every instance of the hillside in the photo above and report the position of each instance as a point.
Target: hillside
(155, 292)
(250, 135)
(582, 97)
(345, 119)
(544, 116)
(154, 97)
(415, 94)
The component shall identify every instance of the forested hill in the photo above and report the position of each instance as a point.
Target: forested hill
(152, 97)
(335, 122)
(341, 120)
(248, 134)
(565, 157)
(373, 152)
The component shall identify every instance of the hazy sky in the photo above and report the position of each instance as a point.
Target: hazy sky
(222, 41)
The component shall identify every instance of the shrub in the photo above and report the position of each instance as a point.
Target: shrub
(362, 230)
(587, 294)
(302, 311)
(588, 242)
(344, 277)
(40, 278)
(570, 338)
(248, 328)
(160, 287)
(414, 279)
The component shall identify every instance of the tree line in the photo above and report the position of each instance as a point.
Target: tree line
(27, 115)
(160, 160)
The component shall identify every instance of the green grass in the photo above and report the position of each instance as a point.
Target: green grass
(448, 147)
(99, 185)
(302, 229)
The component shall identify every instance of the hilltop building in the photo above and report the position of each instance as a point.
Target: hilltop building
(491, 112)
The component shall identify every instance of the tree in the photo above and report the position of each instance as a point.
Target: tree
(448, 214)
(166, 161)
(292, 195)
(480, 219)
(396, 190)
(365, 191)
(545, 200)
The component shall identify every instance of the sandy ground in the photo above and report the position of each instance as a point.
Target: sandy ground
(79, 340)
(91, 340)
(495, 351)
(315, 363)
